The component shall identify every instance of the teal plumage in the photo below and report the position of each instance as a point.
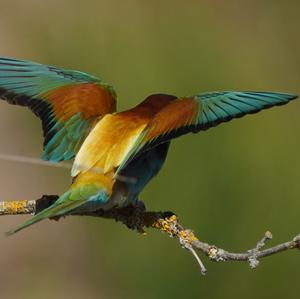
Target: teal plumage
(116, 154)
(201, 112)
(35, 85)
(217, 107)
(67, 139)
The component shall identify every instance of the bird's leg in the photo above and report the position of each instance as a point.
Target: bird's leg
(132, 216)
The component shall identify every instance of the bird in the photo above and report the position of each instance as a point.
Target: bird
(115, 154)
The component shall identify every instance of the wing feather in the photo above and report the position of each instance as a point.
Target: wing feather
(67, 102)
(199, 113)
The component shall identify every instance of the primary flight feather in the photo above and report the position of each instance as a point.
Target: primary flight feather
(79, 119)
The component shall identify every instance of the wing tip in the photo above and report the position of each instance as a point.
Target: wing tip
(292, 96)
(285, 95)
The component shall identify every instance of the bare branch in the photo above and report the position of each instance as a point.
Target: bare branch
(137, 218)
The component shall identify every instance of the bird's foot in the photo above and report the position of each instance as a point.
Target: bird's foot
(135, 216)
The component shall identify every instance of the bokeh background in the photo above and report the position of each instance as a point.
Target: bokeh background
(229, 184)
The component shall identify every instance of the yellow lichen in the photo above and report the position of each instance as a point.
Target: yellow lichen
(167, 225)
(171, 226)
(15, 207)
(188, 236)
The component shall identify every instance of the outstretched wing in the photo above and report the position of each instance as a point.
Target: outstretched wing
(67, 102)
(201, 112)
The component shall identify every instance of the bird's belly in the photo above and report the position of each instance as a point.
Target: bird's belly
(118, 199)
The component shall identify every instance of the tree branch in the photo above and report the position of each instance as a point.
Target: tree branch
(137, 218)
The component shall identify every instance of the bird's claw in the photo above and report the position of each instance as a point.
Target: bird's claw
(135, 218)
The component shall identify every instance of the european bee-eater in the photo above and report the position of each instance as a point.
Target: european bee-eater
(79, 119)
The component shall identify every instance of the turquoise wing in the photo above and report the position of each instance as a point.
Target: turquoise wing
(67, 102)
(218, 107)
(199, 113)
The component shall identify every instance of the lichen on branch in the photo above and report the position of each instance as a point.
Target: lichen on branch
(137, 218)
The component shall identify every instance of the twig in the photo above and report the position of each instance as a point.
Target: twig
(17, 207)
(137, 218)
(253, 260)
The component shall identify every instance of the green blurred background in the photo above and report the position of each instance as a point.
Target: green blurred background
(229, 184)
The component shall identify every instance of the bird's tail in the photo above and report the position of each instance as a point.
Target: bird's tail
(62, 206)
